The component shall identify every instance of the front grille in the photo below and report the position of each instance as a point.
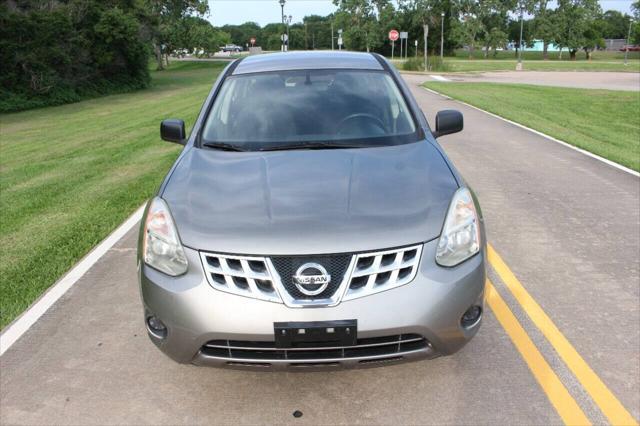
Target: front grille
(313, 353)
(352, 275)
(246, 276)
(380, 271)
(336, 266)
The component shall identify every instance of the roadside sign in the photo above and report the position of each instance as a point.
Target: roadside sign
(394, 35)
(252, 40)
(284, 37)
(340, 41)
(404, 35)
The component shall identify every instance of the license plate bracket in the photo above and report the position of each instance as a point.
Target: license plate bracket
(300, 334)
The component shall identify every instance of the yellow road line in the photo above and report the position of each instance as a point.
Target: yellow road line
(558, 395)
(610, 406)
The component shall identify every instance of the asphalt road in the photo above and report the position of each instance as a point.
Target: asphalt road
(583, 79)
(567, 225)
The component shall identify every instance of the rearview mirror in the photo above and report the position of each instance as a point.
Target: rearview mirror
(172, 130)
(448, 121)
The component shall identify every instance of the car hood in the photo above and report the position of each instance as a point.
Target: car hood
(309, 201)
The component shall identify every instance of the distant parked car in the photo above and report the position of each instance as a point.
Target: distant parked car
(632, 48)
(232, 48)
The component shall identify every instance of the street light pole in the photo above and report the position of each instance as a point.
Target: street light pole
(519, 65)
(282, 2)
(288, 42)
(626, 48)
(332, 39)
(426, 37)
(442, 38)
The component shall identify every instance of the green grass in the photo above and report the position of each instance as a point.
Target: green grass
(475, 65)
(532, 61)
(70, 174)
(552, 56)
(604, 122)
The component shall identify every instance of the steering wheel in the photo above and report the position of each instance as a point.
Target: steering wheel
(362, 116)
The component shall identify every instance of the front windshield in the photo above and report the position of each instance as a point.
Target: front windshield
(298, 108)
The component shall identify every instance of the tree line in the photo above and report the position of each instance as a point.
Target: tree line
(60, 51)
(573, 25)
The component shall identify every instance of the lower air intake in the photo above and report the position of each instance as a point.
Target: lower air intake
(387, 348)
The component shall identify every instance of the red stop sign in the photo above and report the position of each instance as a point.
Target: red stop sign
(394, 35)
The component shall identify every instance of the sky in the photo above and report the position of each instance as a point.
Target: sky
(266, 11)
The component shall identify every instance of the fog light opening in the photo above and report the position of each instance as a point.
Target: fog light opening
(156, 327)
(471, 316)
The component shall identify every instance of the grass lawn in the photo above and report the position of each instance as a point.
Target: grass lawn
(506, 61)
(529, 55)
(474, 65)
(70, 174)
(604, 122)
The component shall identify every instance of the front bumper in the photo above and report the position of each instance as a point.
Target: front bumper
(430, 306)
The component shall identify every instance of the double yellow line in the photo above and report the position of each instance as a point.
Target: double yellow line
(563, 402)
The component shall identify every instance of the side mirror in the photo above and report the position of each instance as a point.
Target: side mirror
(172, 130)
(448, 121)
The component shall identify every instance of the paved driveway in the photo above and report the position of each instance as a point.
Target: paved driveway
(582, 79)
(567, 226)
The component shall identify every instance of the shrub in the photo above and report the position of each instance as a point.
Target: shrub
(417, 64)
(413, 64)
(67, 52)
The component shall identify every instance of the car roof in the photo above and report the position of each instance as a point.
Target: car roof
(307, 60)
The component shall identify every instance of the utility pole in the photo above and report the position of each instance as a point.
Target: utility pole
(287, 42)
(406, 48)
(519, 64)
(442, 39)
(426, 35)
(282, 2)
(332, 36)
(626, 48)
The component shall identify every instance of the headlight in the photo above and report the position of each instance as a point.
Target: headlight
(161, 245)
(460, 237)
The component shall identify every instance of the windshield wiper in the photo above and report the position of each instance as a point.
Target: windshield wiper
(311, 145)
(223, 146)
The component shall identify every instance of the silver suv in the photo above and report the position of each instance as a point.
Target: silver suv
(312, 220)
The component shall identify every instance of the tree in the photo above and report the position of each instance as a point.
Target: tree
(241, 34)
(544, 25)
(635, 8)
(359, 20)
(614, 24)
(271, 34)
(494, 39)
(494, 15)
(197, 35)
(471, 25)
(527, 33)
(317, 32)
(575, 19)
(59, 52)
(162, 17)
